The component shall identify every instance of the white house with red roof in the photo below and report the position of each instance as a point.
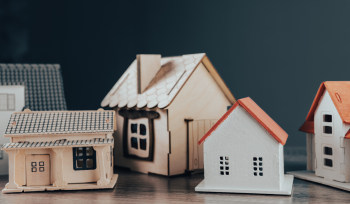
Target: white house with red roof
(243, 153)
(327, 130)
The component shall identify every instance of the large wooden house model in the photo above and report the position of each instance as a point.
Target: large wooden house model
(60, 150)
(38, 87)
(243, 153)
(327, 128)
(163, 107)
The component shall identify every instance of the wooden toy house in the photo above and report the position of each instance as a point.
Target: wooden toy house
(243, 153)
(38, 87)
(60, 150)
(163, 107)
(327, 129)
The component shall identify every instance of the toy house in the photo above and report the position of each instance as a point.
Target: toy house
(60, 150)
(327, 129)
(243, 153)
(163, 107)
(37, 87)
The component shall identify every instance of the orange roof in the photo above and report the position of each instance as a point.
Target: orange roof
(254, 110)
(340, 95)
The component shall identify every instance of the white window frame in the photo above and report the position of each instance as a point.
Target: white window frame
(8, 104)
(323, 124)
(324, 156)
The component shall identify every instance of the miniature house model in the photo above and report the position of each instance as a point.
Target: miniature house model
(243, 153)
(36, 87)
(163, 107)
(60, 150)
(327, 128)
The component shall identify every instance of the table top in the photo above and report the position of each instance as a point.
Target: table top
(133, 187)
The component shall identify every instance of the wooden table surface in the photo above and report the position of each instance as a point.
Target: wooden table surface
(134, 187)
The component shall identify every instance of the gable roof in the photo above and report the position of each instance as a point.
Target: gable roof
(60, 122)
(258, 114)
(43, 84)
(164, 87)
(339, 92)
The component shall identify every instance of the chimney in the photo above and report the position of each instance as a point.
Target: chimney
(147, 68)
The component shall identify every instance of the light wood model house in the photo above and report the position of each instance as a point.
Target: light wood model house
(327, 129)
(60, 150)
(163, 107)
(243, 153)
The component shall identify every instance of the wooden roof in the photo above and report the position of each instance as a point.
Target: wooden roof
(339, 92)
(164, 87)
(258, 114)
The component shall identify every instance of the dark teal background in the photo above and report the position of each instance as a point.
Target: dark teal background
(276, 52)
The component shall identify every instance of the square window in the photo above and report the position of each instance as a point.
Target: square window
(226, 162)
(227, 173)
(41, 163)
(221, 172)
(260, 158)
(255, 168)
(34, 169)
(328, 162)
(260, 174)
(327, 129)
(260, 168)
(226, 168)
(41, 169)
(255, 174)
(80, 163)
(89, 163)
(79, 151)
(260, 163)
(221, 168)
(254, 158)
(134, 143)
(133, 128)
(221, 162)
(142, 129)
(33, 163)
(327, 118)
(327, 151)
(226, 158)
(143, 144)
(89, 151)
(221, 158)
(255, 164)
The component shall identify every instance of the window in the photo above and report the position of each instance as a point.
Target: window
(328, 162)
(327, 156)
(7, 102)
(327, 151)
(84, 158)
(327, 124)
(139, 137)
(258, 166)
(224, 166)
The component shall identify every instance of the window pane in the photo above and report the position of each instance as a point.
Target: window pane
(80, 163)
(328, 162)
(11, 101)
(79, 151)
(3, 101)
(133, 128)
(328, 151)
(89, 163)
(89, 151)
(142, 129)
(143, 144)
(134, 143)
(327, 118)
(327, 129)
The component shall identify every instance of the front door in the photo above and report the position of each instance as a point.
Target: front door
(196, 130)
(38, 169)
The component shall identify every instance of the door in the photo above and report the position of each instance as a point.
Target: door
(196, 130)
(38, 169)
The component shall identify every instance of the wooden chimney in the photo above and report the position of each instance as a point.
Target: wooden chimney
(147, 68)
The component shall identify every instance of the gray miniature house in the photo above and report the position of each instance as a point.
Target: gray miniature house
(38, 87)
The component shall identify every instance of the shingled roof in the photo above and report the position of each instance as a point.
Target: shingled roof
(43, 84)
(164, 87)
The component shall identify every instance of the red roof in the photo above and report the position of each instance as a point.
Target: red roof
(340, 95)
(254, 110)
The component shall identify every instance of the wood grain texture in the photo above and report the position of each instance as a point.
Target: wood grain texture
(142, 188)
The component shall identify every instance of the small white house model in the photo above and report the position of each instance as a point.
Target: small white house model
(243, 153)
(38, 87)
(327, 128)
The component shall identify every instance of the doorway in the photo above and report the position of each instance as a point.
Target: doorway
(38, 169)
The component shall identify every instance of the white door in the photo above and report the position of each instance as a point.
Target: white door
(196, 130)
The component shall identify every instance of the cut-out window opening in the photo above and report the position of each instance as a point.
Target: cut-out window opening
(134, 143)
(133, 128)
(328, 162)
(257, 171)
(328, 151)
(84, 158)
(224, 166)
(7, 102)
(327, 118)
(142, 129)
(1, 153)
(327, 129)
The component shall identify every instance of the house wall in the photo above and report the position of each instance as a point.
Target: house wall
(4, 119)
(200, 98)
(70, 175)
(326, 106)
(159, 165)
(311, 155)
(241, 138)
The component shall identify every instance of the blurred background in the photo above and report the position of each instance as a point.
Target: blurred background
(276, 52)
